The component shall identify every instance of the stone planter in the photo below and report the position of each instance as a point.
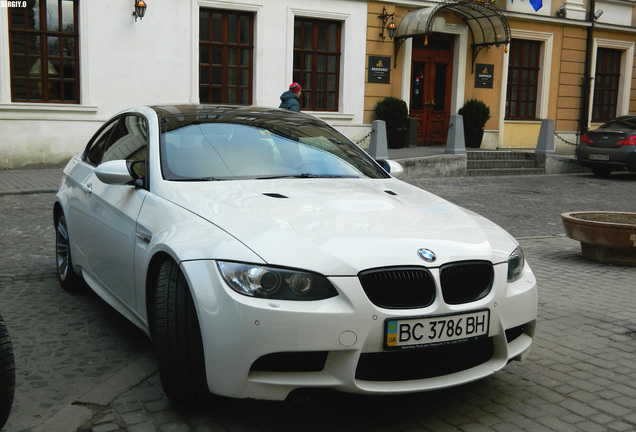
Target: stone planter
(607, 237)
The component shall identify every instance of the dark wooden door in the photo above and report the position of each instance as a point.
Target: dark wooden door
(431, 81)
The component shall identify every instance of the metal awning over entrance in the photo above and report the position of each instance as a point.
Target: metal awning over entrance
(487, 24)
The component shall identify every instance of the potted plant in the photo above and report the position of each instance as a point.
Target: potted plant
(394, 112)
(475, 114)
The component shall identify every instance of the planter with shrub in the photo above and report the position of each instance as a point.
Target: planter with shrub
(395, 113)
(475, 114)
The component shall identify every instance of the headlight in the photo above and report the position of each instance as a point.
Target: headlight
(516, 262)
(275, 283)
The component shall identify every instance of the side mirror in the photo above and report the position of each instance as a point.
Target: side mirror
(392, 167)
(117, 172)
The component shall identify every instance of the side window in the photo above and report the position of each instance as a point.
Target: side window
(95, 149)
(126, 138)
(129, 140)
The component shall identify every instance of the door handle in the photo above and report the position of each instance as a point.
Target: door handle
(88, 188)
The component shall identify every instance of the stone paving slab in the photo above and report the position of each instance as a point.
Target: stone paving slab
(81, 366)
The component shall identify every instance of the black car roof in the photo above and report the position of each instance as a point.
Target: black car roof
(202, 110)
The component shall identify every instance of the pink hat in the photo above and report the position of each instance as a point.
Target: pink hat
(295, 88)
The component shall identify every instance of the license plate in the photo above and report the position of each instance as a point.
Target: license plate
(599, 157)
(405, 333)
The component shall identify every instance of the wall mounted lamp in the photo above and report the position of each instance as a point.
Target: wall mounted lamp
(140, 9)
(390, 29)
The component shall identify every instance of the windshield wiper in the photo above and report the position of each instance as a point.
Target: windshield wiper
(195, 179)
(306, 175)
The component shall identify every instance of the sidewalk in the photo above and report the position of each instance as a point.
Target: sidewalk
(16, 182)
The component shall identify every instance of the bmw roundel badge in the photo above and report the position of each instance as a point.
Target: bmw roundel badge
(427, 255)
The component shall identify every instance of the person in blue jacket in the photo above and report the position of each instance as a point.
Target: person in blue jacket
(290, 99)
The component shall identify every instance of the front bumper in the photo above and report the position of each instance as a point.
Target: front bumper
(266, 348)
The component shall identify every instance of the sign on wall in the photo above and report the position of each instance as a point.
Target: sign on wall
(379, 69)
(483, 75)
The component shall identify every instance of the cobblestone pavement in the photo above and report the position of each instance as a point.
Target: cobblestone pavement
(80, 366)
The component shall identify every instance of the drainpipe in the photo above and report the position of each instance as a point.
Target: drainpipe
(587, 77)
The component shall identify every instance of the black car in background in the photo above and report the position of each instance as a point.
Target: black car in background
(7, 374)
(611, 147)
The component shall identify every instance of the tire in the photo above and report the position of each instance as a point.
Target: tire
(177, 338)
(69, 280)
(601, 171)
(7, 374)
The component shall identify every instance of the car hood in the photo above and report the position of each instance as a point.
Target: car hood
(342, 226)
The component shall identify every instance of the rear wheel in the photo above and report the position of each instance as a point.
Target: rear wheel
(65, 273)
(177, 337)
(7, 374)
(601, 171)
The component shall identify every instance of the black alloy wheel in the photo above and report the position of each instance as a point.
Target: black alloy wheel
(65, 273)
(7, 374)
(177, 337)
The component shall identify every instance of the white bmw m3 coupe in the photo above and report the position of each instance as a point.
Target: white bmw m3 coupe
(263, 252)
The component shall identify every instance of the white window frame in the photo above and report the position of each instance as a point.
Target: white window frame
(257, 86)
(84, 104)
(345, 20)
(543, 82)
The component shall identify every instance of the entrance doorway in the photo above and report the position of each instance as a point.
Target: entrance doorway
(431, 84)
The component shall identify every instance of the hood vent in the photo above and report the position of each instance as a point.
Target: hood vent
(275, 195)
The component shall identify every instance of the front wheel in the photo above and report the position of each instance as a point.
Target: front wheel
(69, 280)
(7, 374)
(177, 337)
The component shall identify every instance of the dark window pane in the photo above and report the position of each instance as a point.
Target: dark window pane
(606, 84)
(232, 28)
(245, 38)
(53, 70)
(204, 77)
(217, 76)
(204, 26)
(231, 47)
(52, 15)
(297, 35)
(317, 62)
(232, 57)
(245, 57)
(333, 45)
(204, 54)
(217, 27)
(217, 55)
(231, 77)
(308, 36)
(217, 96)
(523, 76)
(322, 37)
(68, 16)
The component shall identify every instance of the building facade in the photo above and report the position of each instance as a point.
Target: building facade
(571, 62)
(68, 65)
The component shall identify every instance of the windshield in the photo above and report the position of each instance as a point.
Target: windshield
(198, 148)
